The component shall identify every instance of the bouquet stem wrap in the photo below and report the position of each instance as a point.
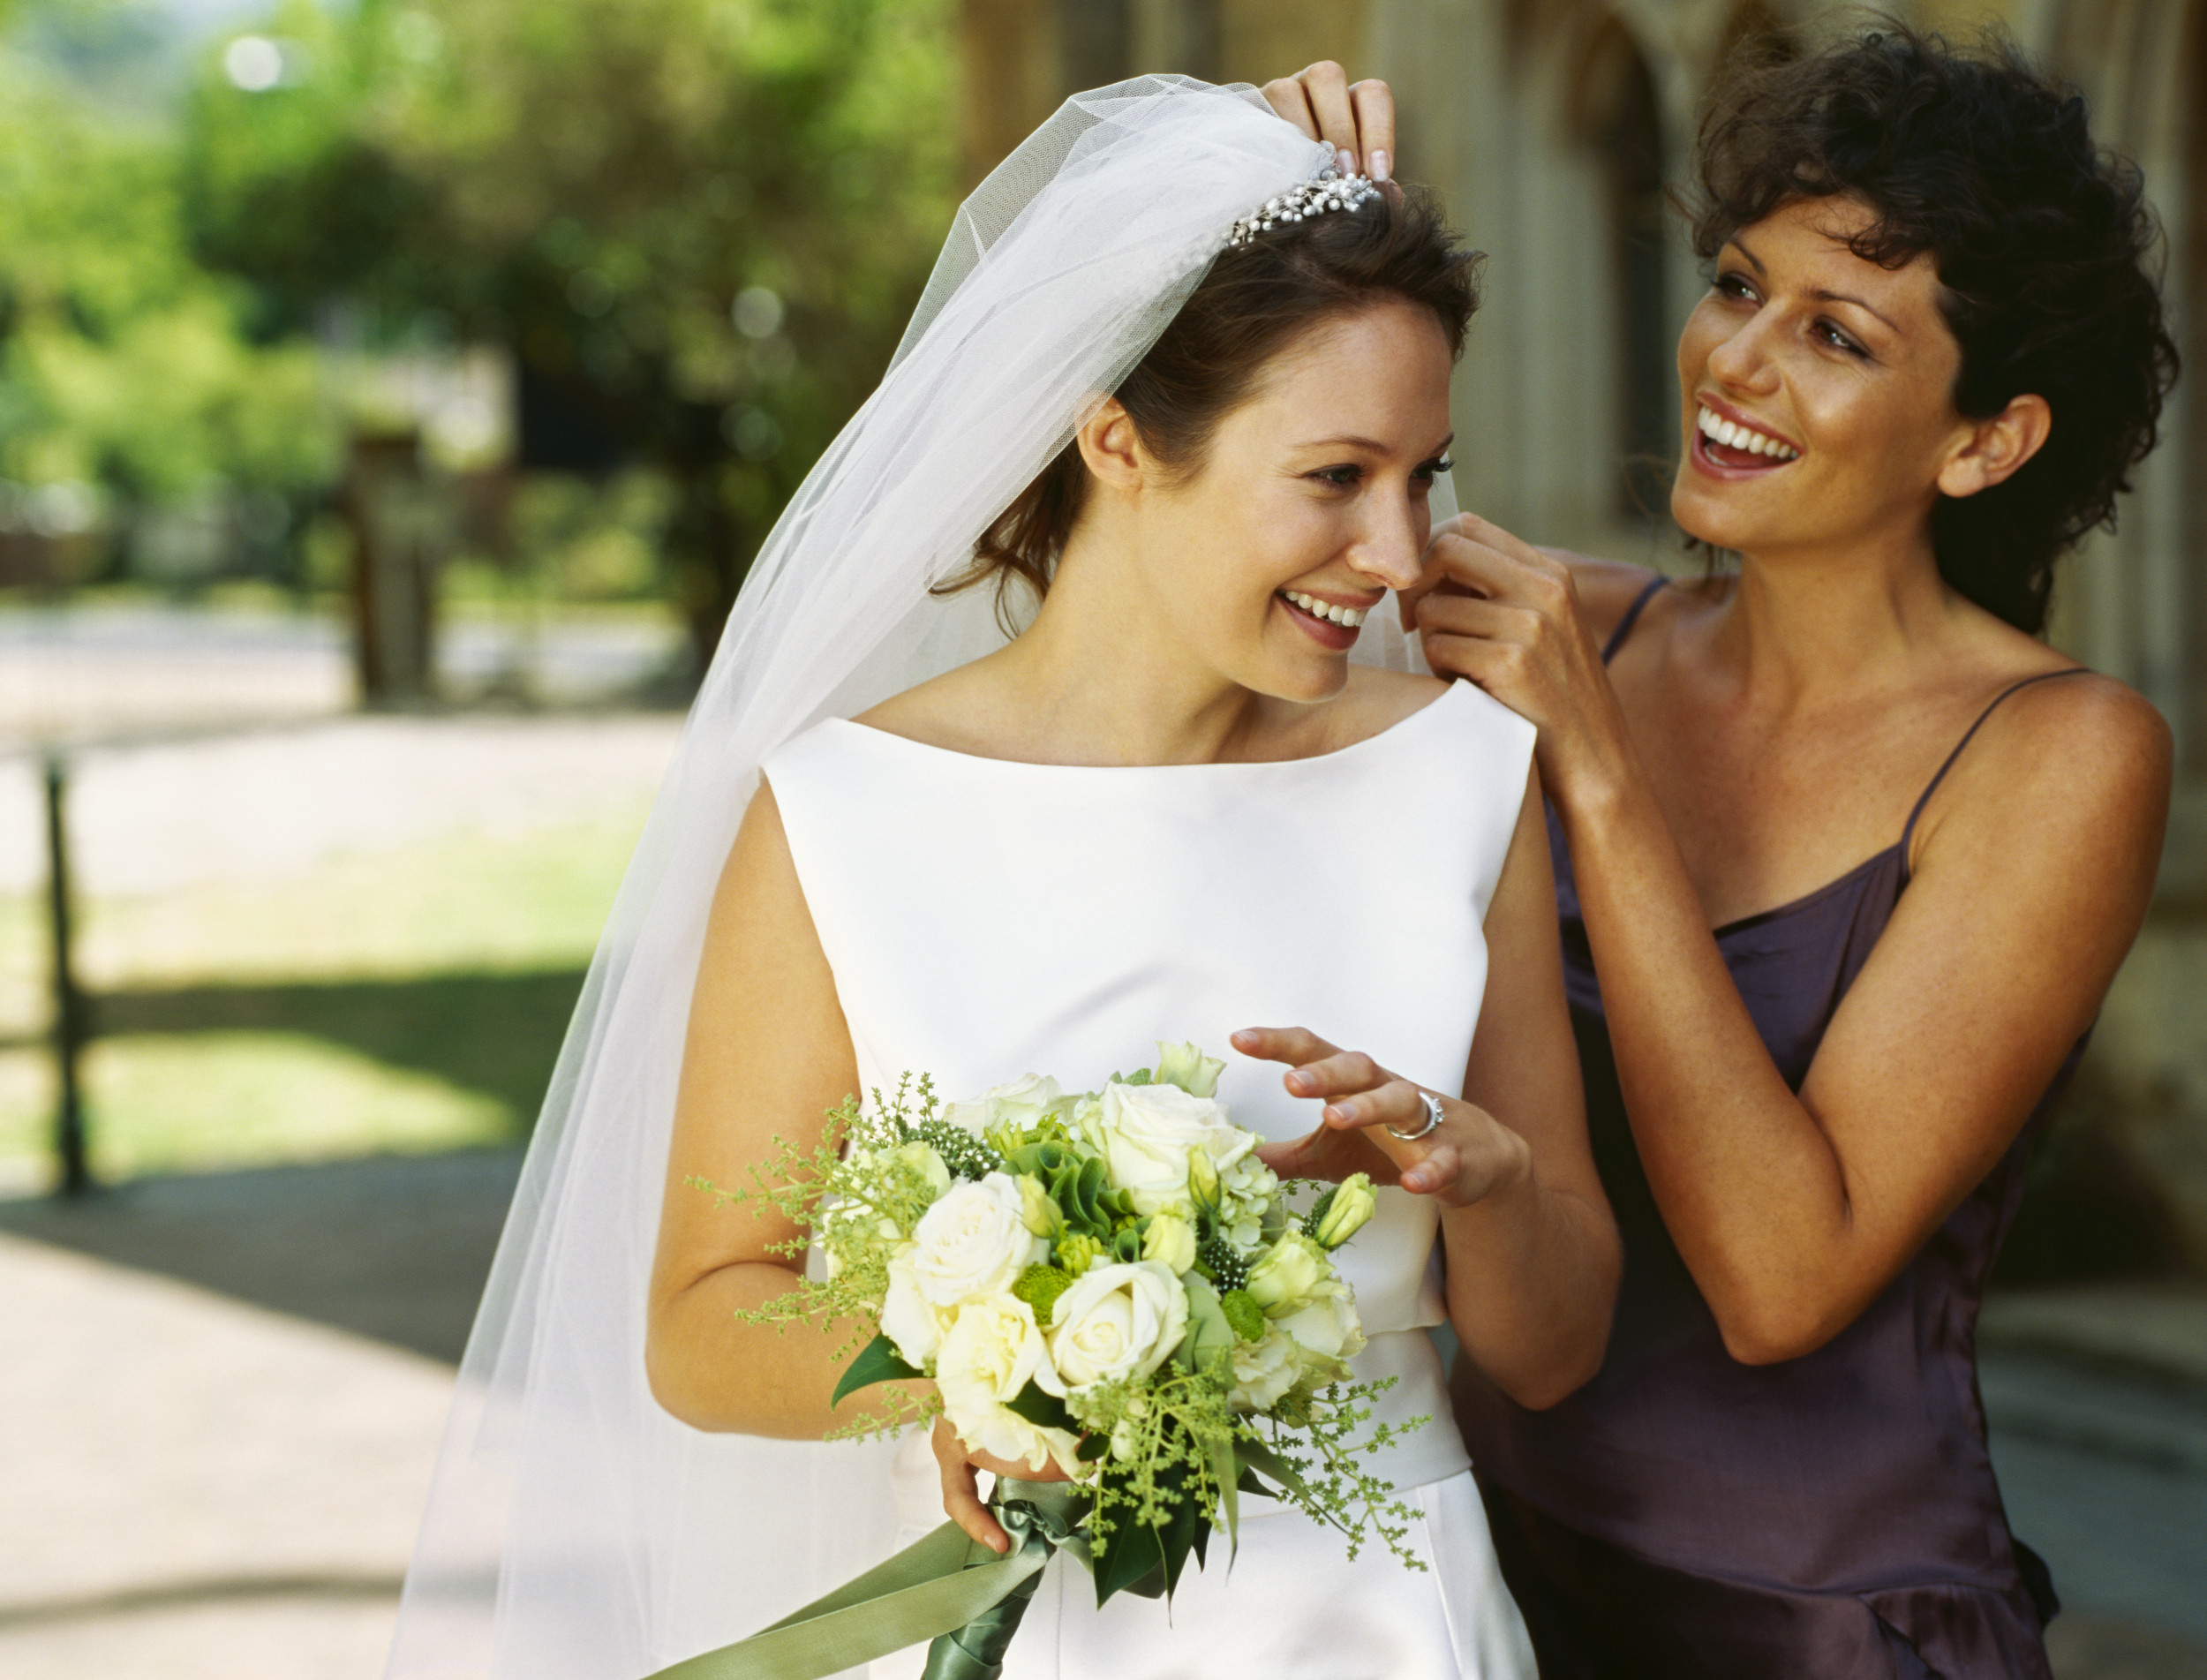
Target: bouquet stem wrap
(944, 1588)
(1042, 1516)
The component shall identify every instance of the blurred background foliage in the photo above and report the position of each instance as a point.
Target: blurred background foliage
(418, 355)
(666, 245)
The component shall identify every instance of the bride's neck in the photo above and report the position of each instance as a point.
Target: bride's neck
(1108, 674)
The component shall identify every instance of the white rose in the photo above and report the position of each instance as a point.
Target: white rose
(974, 1241)
(1327, 1329)
(1263, 1371)
(1170, 1241)
(1145, 1132)
(991, 1353)
(1113, 1322)
(908, 1317)
(1289, 1273)
(1020, 1104)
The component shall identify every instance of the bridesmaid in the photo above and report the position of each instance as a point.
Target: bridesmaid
(1851, 853)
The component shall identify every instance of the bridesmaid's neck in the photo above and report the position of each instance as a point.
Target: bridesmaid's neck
(1806, 627)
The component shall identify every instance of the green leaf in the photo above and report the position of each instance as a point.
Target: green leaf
(1227, 1474)
(878, 1362)
(1043, 1411)
(1178, 1539)
(1133, 1561)
(1257, 1455)
(1246, 1483)
(1209, 1335)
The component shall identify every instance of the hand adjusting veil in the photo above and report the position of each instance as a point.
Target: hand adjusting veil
(576, 1531)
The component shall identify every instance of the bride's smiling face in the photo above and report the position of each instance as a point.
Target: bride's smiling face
(1310, 503)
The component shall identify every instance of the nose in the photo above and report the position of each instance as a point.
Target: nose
(1390, 550)
(1744, 360)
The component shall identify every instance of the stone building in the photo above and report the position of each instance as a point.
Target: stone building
(1551, 128)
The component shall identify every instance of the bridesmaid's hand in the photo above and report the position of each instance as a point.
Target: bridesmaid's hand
(961, 1489)
(1504, 614)
(1466, 1158)
(1357, 121)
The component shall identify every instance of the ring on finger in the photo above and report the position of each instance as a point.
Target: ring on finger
(1433, 1119)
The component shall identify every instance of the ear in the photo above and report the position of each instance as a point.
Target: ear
(1112, 448)
(1994, 449)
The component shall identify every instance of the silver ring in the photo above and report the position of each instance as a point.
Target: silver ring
(1433, 1119)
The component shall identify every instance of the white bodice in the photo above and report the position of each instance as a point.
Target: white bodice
(986, 919)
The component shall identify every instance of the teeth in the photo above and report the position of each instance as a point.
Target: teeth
(1349, 617)
(1738, 437)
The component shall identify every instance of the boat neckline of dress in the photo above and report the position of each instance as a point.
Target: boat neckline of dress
(1397, 727)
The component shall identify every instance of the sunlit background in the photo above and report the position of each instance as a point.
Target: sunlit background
(391, 398)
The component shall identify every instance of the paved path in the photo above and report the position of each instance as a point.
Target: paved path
(198, 1489)
(108, 668)
(258, 806)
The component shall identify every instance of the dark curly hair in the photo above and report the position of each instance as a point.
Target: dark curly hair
(1256, 298)
(2041, 240)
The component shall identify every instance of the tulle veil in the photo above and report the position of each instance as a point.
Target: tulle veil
(574, 1530)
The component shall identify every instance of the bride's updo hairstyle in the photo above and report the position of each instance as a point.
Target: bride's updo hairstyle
(2041, 241)
(1256, 301)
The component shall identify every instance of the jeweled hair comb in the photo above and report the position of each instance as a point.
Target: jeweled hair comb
(1329, 191)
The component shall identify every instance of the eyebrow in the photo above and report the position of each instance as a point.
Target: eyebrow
(1352, 441)
(1746, 251)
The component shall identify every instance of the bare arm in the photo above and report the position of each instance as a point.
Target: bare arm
(1793, 1212)
(1532, 1252)
(767, 1056)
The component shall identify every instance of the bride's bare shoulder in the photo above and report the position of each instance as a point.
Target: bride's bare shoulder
(964, 710)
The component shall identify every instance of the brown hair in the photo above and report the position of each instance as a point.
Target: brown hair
(1256, 298)
(2044, 245)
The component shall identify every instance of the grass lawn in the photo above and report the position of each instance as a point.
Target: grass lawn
(407, 1001)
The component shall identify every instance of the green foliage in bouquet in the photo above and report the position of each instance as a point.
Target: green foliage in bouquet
(1106, 1286)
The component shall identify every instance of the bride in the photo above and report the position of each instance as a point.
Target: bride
(1170, 806)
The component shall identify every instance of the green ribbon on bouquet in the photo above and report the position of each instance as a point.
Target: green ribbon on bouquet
(945, 1589)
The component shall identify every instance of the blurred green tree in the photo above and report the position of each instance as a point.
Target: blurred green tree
(125, 366)
(698, 224)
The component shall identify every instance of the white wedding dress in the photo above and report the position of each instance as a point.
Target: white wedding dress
(986, 919)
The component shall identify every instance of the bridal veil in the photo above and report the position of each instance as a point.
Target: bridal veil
(574, 1531)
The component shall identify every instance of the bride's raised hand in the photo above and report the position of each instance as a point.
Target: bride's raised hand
(1377, 1123)
(962, 1486)
(1357, 120)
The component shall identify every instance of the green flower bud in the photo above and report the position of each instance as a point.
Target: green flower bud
(1288, 1273)
(1202, 1178)
(1076, 1254)
(1039, 1286)
(1186, 1067)
(1171, 1240)
(1037, 1209)
(1243, 1314)
(1344, 1211)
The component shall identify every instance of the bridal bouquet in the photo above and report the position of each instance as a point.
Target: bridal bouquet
(1107, 1286)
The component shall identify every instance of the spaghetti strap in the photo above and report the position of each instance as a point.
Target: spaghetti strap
(1907, 833)
(1631, 617)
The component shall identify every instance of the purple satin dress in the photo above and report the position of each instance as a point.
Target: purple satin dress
(1686, 1516)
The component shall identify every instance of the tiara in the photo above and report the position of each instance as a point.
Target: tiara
(1330, 190)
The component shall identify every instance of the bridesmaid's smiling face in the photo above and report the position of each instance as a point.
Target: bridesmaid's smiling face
(1310, 503)
(1818, 389)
